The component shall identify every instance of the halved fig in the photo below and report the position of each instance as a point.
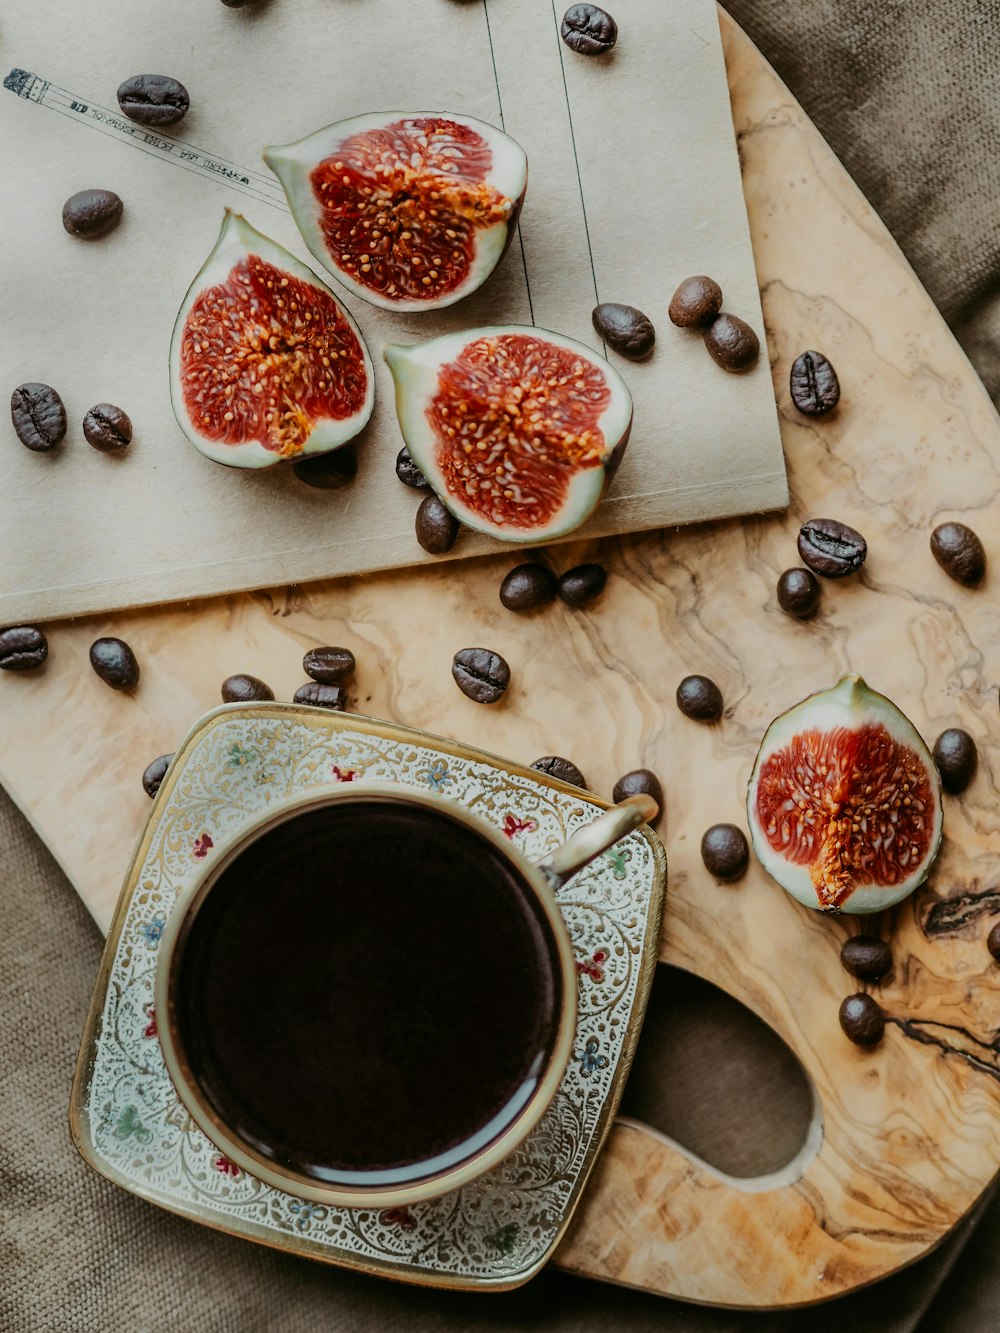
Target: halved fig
(265, 364)
(411, 211)
(844, 802)
(515, 428)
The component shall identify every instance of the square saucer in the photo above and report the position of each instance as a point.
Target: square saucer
(126, 1118)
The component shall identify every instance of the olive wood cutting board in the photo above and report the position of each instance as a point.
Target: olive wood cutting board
(905, 1137)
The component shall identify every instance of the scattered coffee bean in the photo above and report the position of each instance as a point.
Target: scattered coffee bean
(993, 941)
(866, 956)
(108, 428)
(321, 695)
(862, 1019)
(244, 689)
(798, 593)
(582, 585)
(696, 301)
(38, 415)
(830, 548)
(408, 472)
(588, 30)
(956, 757)
(91, 214)
(155, 773)
(528, 587)
(725, 852)
(480, 674)
(562, 769)
(626, 330)
(641, 781)
(114, 661)
(700, 698)
(22, 648)
(732, 343)
(436, 527)
(237, 4)
(813, 384)
(153, 99)
(328, 472)
(959, 552)
(329, 665)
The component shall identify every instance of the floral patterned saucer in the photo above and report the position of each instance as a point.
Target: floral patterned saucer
(127, 1120)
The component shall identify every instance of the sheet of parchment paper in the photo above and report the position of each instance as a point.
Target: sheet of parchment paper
(634, 184)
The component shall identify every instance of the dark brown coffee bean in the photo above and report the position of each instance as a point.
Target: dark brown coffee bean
(696, 301)
(588, 30)
(114, 661)
(862, 1019)
(959, 552)
(725, 852)
(237, 4)
(866, 956)
(153, 99)
(700, 698)
(582, 585)
(408, 472)
(830, 548)
(108, 428)
(798, 593)
(732, 343)
(528, 587)
(320, 695)
(993, 941)
(641, 781)
(38, 415)
(244, 689)
(329, 665)
(328, 472)
(436, 527)
(626, 330)
(562, 769)
(480, 674)
(956, 757)
(155, 773)
(91, 214)
(22, 648)
(813, 384)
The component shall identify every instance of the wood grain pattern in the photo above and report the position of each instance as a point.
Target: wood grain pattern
(911, 1131)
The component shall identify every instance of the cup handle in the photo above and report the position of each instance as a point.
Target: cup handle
(587, 843)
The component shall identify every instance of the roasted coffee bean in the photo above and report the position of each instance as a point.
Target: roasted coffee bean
(641, 781)
(320, 695)
(114, 661)
(862, 1019)
(328, 472)
(582, 584)
(91, 214)
(866, 956)
(237, 4)
(959, 552)
(153, 99)
(108, 428)
(155, 773)
(562, 769)
(993, 941)
(22, 648)
(588, 30)
(480, 674)
(38, 415)
(244, 689)
(725, 852)
(700, 698)
(956, 757)
(830, 548)
(436, 527)
(813, 384)
(732, 343)
(408, 472)
(329, 665)
(626, 330)
(798, 593)
(696, 301)
(528, 587)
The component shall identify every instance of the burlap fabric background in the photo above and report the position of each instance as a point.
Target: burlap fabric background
(906, 95)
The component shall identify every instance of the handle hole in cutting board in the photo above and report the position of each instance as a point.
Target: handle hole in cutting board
(718, 1081)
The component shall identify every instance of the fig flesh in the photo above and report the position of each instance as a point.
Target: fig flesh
(265, 364)
(411, 211)
(515, 428)
(844, 802)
